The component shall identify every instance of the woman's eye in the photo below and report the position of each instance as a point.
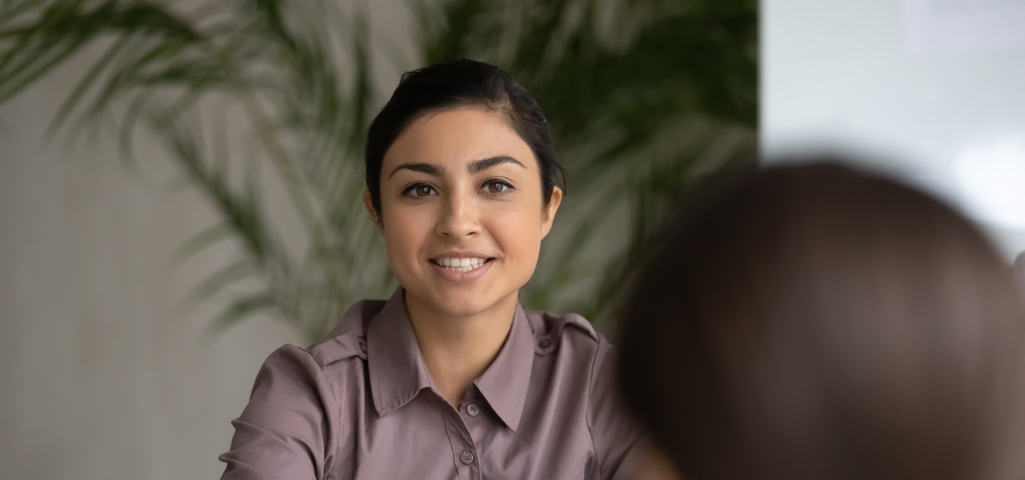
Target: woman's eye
(420, 190)
(497, 186)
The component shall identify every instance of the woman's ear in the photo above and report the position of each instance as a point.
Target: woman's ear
(550, 209)
(368, 203)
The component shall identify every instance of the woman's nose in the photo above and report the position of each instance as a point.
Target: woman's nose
(459, 217)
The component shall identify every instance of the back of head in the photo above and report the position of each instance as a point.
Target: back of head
(814, 322)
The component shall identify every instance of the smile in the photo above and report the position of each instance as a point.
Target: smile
(461, 264)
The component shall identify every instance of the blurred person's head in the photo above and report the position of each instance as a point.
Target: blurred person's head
(814, 322)
(461, 179)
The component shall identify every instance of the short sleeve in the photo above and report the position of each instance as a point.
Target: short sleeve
(614, 431)
(284, 432)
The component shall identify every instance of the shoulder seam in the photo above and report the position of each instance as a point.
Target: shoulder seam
(580, 322)
(587, 400)
(342, 342)
(335, 432)
(590, 334)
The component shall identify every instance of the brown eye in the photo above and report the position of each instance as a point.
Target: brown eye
(497, 186)
(420, 190)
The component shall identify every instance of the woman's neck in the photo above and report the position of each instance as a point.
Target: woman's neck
(458, 349)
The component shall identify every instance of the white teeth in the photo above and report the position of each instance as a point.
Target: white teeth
(461, 264)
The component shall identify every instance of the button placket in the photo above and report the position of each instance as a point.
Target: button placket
(470, 416)
(462, 443)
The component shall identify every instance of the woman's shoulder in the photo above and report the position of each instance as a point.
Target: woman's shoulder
(568, 333)
(348, 339)
(324, 360)
(335, 359)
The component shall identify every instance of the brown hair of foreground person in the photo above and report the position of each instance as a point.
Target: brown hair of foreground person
(814, 322)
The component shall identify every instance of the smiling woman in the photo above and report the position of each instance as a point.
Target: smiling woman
(451, 377)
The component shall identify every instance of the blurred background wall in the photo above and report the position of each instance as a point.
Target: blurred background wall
(932, 89)
(106, 372)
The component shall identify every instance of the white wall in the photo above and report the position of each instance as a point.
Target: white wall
(933, 89)
(106, 371)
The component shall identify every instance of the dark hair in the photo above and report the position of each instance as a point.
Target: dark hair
(815, 322)
(461, 83)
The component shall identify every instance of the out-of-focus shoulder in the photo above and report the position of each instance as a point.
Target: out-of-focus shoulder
(348, 338)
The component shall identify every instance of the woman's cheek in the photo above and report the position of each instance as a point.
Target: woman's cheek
(518, 234)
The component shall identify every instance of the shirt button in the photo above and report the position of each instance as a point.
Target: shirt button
(466, 457)
(545, 343)
(472, 409)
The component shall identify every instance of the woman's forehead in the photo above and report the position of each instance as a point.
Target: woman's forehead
(456, 139)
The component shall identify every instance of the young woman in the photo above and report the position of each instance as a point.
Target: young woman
(814, 322)
(451, 377)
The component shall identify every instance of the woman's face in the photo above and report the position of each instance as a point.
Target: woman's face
(461, 210)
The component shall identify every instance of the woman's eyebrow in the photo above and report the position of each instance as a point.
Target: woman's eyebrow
(428, 168)
(491, 162)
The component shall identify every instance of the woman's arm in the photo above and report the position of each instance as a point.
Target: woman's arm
(284, 432)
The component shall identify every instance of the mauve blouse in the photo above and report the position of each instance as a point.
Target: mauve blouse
(361, 405)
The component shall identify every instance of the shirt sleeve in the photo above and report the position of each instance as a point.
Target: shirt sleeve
(614, 431)
(283, 433)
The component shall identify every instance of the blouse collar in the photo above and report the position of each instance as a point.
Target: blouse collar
(398, 372)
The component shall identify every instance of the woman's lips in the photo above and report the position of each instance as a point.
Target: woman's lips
(456, 275)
